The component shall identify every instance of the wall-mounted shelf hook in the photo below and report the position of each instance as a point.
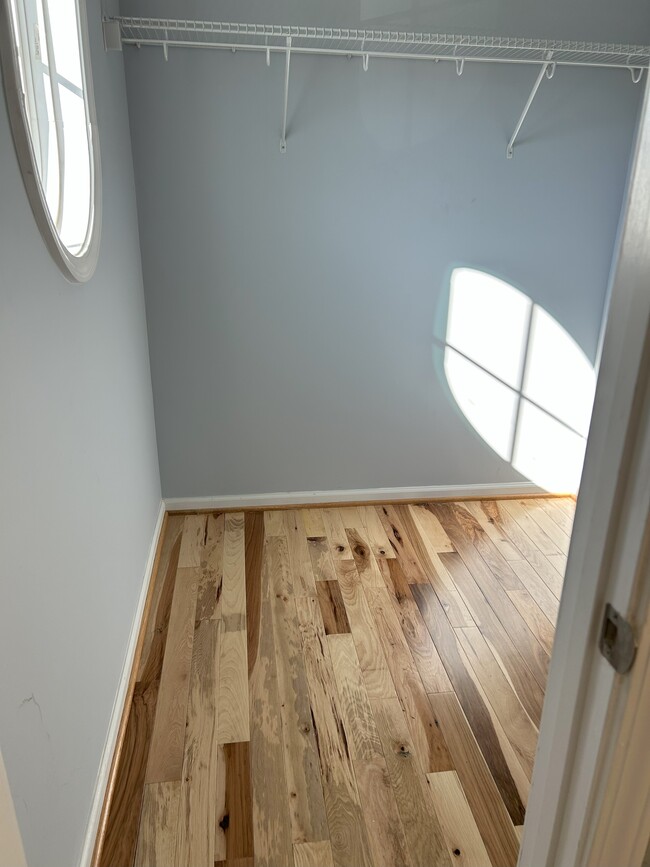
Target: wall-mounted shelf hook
(460, 65)
(637, 74)
(283, 140)
(550, 70)
(165, 51)
(540, 77)
(365, 59)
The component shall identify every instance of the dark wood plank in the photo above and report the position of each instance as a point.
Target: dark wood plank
(121, 837)
(237, 818)
(332, 607)
(444, 638)
(489, 812)
(253, 558)
(530, 649)
(529, 692)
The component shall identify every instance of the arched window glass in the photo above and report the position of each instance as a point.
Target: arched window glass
(49, 95)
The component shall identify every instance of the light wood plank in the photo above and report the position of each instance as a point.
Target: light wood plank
(549, 526)
(431, 528)
(196, 828)
(363, 740)
(211, 576)
(193, 541)
(351, 518)
(555, 511)
(426, 657)
(539, 625)
(301, 569)
(233, 710)
(494, 530)
(459, 829)
(422, 830)
(492, 819)
(307, 808)
(332, 607)
(313, 523)
(345, 821)
(539, 591)
(158, 822)
(393, 520)
(272, 837)
(517, 510)
(504, 522)
(430, 747)
(321, 559)
(273, 523)
(336, 535)
(380, 813)
(168, 737)
(366, 564)
(376, 534)
(372, 660)
(313, 854)
(558, 562)
(233, 596)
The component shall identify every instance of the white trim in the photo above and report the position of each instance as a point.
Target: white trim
(296, 498)
(118, 706)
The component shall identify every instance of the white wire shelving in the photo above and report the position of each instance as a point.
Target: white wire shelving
(367, 44)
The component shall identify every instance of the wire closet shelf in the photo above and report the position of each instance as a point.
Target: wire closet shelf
(366, 44)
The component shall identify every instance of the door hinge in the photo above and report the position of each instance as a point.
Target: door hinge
(616, 640)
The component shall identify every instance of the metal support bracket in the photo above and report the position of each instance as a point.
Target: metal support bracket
(112, 35)
(548, 70)
(283, 140)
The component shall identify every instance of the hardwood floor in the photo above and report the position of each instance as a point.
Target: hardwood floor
(346, 686)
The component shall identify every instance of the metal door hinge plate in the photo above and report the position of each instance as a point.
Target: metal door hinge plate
(616, 640)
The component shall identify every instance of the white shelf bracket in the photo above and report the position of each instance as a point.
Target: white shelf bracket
(283, 140)
(112, 35)
(548, 70)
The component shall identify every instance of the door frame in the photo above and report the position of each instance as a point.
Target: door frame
(585, 698)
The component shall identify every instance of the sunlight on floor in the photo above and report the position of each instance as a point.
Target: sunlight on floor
(520, 379)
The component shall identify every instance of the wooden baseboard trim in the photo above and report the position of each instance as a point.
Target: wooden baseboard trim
(293, 499)
(105, 785)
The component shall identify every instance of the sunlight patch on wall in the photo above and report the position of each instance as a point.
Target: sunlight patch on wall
(519, 378)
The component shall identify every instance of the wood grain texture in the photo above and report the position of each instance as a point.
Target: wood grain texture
(344, 685)
(196, 827)
(469, 698)
(168, 737)
(307, 807)
(345, 821)
(332, 608)
(529, 691)
(421, 826)
(237, 818)
(381, 815)
(313, 854)
(459, 829)
(359, 723)
(492, 819)
(158, 823)
(430, 747)
(321, 559)
(271, 819)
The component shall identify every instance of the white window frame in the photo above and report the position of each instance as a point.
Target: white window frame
(77, 268)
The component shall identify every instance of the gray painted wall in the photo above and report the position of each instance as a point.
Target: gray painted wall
(293, 301)
(80, 487)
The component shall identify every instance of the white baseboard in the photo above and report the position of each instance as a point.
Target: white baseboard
(380, 495)
(118, 706)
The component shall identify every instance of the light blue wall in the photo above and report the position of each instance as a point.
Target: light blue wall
(80, 486)
(293, 300)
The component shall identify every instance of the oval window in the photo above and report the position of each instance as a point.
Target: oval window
(48, 87)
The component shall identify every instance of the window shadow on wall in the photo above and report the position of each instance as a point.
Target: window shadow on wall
(519, 378)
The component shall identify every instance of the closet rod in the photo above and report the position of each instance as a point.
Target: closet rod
(402, 45)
